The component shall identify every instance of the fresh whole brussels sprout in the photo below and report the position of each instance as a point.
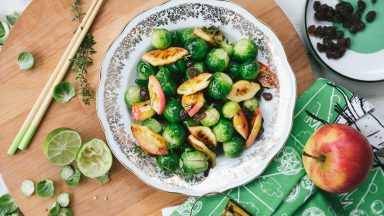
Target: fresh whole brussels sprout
(234, 70)
(244, 50)
(230, 109)
(166, 82)
(174, 135)
(193, 162)
(168, 163)
(145, 70)
(172, 111)
(212, 116)
(249, 70)
(217, 60)
(186, 35)
(223, 130)
(132, 95)
(234, 147)
(161, 38)
(220, 86)
(197, 48)
(153, 124)
(251, 104)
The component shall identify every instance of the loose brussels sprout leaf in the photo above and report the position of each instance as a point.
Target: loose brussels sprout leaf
(193, 162)
(7, 204)
(104, 179)
(249, 70)
(54, 210)
(240, 124)
(161, 38)
(200, 146)
(4, 32)
(251, 104)
(148, 140)
(142, 111)
(63, 92)
(197, 48)
(234, 147)
(141, 83)
(212, 116)
(132, 95)
(25, 60)
(166, 82)
(223, 130)
(11, 18)
(75, 179)
(154, 125)
(65, 212)
(45, 188)
(174, 135)
(244, 50)
(220, 86)
(168, 163)
(165, 56)
(243, 90)
(186, 35)
(230, 109)
(144, 70)
(217, 60)
(172, 111)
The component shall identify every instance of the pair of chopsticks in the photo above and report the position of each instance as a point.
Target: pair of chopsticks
(38, 110)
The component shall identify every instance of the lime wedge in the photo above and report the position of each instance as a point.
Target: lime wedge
(94, 158)
(61, 146)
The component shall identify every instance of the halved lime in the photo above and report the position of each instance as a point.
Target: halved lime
(94, 158)
(61, 146)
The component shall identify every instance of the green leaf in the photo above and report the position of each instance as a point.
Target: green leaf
(45, 188)
(25, 60)
(11, 18)
(104, 178)
(4, 31)
(7, 204)
(75, 178)
(63, 92)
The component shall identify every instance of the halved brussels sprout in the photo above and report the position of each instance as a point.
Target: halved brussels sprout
(230, 109)
(197, 48)
(234, 70)
(244, 50)
(161, 38)
(172, 111)
(174, 135)
(217, 60)
(251, 104)
(212, 116)
(220, 86)
(132, 95)
(223, 130)
(166, 82)
(193, 162)
(186, 35)
(153, 124)
(144, 70)
(234, 147)
(249, 70)
(168, 163)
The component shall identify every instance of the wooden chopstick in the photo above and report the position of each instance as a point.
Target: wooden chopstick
(33, 119)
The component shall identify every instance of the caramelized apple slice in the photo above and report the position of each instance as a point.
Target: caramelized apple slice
(195, 84)
(243, 90)
(142, 111)
(193, 103)
(266, 77)
(240, 124)
(204, 134)
(196, 144)
(256, 126)
(165, 56)
(149, 141)
(156, 95)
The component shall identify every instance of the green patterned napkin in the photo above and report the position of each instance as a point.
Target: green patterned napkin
(284, 189)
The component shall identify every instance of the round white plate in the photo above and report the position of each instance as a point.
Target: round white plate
(118, 72)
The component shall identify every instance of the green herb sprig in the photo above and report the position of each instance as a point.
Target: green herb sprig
(75, 8)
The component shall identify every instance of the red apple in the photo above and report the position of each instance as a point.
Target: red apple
(156, 95)
(193, 103)
(149, 141)
(337, 158)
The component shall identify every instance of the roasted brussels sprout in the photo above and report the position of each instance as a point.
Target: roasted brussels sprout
(212, 116)
(176, 42)
(172, 111)
(234, 70)
(168, 163)
(244, 50)
(174, 135)
(223, 130)
(177, 70)
(186, 35)
(197, 48)
(145, 70)
(249, 70)
(132, 95)
(161, 38)
(230, 109)
(220, 86)
(190, 122)
(166, 82)
(227, 47)
(234, 147)
(251, 104)
(198, 68)
(193, 162)
(153, 124)
(217, 60)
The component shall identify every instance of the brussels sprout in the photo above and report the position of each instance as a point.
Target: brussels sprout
(217, 60)
(190, 122)
(230, 109)
(25, 60)
(220, 86)
(223, 130)
(227, 47)
(153, 124)
(4, 31)
(132, 95)
(177, 69)
(251, 104)
(193, 162)
(141, 82)
(144, 70)
(176, 42)
(186, 35)
(174, 135)
(244, 50)
(161, 38)
(167, 84)
(172, 111)
(234, 147)
(249, 70)
(197, 48)
(64, 92)
(199, 66)
(234, 70)
(212, 116)
(168, 163)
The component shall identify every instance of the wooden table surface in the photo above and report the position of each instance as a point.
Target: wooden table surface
(45, 29)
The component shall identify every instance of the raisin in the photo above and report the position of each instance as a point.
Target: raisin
(183, 114)
(190, 63)
(339, 35)
(361, 25)
(371, 15)
(192, 72)
(316, 5)
(320, 47)
(348, 43)
(267, 96)
(374, 1)
(144, 94)
(311, 29)
(361, 5)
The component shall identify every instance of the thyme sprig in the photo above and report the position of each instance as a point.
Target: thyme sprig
(75, 8)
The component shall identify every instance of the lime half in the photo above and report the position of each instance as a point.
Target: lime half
(61, 146)
(94, 158)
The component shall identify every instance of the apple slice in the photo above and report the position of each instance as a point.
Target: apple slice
(156, 95)
(204, 134)
(148, 140)
(142, 111)
(266, 77)
(256, 126)
(193, 103)
(198, 145)
(240, 124)
(165, 56)
(243, 90)
(195, 84)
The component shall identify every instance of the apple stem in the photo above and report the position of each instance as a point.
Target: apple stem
(321, 158)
